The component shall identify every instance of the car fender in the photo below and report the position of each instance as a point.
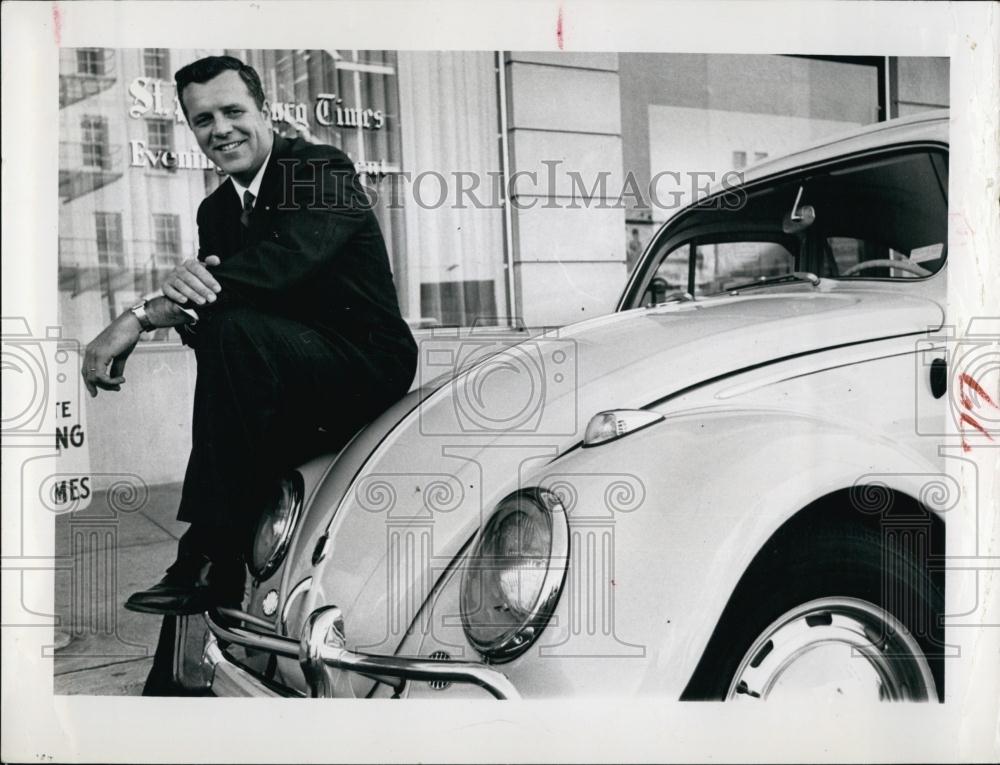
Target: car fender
(654, 561)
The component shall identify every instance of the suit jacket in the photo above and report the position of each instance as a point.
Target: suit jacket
(313, 251)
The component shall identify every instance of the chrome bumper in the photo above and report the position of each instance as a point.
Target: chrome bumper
(322, 647)
(228, 678)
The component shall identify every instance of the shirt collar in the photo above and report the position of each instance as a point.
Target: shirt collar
(254, 187)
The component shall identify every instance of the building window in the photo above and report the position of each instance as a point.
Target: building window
(94, 142)
(110, 247)
(156, 63)
(161, 135)
(93, 61)
(166, 238)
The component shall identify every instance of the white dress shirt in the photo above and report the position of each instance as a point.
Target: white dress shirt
(254, 187)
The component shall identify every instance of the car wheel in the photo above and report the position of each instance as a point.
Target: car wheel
(831, 612)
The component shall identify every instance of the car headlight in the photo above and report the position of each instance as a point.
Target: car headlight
(275, 527)
(515, 574)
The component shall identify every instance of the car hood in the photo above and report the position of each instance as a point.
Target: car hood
(423, 485)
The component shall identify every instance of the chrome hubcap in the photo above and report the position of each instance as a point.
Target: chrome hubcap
(837, 646)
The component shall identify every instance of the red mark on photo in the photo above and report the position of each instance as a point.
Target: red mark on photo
(966, 383)
(559, 29)
(56, 23)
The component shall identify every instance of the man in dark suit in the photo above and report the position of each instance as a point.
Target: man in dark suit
(292, 314)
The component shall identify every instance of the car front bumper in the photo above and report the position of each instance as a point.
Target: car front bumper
(320, 652)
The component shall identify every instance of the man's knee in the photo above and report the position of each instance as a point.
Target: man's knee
(232, 332)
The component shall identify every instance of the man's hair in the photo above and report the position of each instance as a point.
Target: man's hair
(210, 67)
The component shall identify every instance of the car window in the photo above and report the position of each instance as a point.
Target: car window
(671, 277)
(880, 217)
(848, 252)
(718, 266)
(721, 266)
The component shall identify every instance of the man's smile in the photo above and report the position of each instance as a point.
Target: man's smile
(230, 146)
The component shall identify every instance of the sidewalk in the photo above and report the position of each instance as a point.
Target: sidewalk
(102, 649)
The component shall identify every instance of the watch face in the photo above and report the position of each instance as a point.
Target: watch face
(139, 311)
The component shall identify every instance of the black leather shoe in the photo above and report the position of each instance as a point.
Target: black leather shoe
(192, 585)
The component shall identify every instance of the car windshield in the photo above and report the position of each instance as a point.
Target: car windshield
(877, 218)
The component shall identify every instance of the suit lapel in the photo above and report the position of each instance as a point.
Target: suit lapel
(233, 236)
(269, 192)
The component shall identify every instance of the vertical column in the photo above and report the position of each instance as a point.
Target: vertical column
(589, 589)
(410, 544)
(907, 538)
(568, 224)
(94, 588)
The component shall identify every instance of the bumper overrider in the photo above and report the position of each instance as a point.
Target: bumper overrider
(321, 648)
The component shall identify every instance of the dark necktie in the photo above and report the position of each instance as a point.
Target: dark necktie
(248, 199)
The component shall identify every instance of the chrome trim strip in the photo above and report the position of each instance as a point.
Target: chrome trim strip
(305, 584)
(243, 616)
(230, 680)
(247, 638)
(322, 646)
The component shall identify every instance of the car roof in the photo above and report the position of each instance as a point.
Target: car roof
(929, 126)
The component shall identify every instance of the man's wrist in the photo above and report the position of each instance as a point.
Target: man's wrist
(164, 312)
(130, 318)
(139, 311)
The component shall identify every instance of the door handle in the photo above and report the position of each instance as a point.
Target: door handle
(939, 377)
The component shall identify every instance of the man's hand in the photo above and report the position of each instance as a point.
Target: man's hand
(111, 347)
(192, 281)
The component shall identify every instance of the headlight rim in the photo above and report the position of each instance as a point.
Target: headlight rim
(280, 548)
(518, 638)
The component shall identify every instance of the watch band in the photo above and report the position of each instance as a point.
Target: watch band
(139, 311)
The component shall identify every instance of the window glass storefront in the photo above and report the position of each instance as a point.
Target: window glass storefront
(687, 119)
(131, 175)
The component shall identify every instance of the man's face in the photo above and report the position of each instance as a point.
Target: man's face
(230, 128)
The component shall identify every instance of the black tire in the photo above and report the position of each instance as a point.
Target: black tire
(809, 561)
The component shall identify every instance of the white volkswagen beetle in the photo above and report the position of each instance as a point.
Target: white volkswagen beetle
(727, 489)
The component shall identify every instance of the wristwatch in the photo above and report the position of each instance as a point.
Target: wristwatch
(139, 311)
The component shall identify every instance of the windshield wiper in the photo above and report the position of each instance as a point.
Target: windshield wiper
(766, 281)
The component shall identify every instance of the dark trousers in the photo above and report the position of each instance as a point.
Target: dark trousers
(265, 387)
(270, 394)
